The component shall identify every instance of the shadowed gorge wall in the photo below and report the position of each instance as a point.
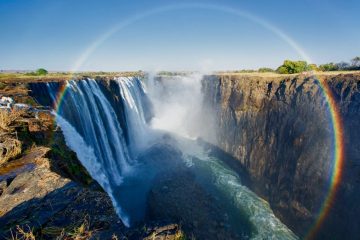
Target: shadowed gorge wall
(279, 129)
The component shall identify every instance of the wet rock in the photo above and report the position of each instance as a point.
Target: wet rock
(164, 232)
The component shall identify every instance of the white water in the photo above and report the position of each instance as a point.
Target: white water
(87, 157)
(92, 130)
(132, 92)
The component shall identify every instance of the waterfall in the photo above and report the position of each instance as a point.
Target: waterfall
(133, 94)
(92, 129)
(89, 160)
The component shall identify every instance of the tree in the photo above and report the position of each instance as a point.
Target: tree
(41, 71)
(313, 67)
(355, 62)
(343, 66)
(290, 67)
(328, 67)
(265, 69)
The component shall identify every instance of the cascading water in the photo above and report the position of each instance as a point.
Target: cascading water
(91, 116)
(132, 92)
(126, 169)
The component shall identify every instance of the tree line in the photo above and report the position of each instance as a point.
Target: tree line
(289, 67)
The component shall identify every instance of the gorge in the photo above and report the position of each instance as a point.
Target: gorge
(228, 156)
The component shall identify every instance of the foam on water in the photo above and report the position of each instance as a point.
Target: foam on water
(228, 183)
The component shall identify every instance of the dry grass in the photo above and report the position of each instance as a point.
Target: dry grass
(10, 148)
(179, 235)
(62, 76)
(23, 234)
(71, 232)
(7, 118)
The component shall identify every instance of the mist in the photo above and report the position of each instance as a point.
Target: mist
(178, 104)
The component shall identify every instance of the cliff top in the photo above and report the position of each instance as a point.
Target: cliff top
(273, 74)
(64, 76)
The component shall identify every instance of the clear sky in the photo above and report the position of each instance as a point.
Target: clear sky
(175, 35)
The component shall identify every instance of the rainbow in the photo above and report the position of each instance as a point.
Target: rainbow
(338, 159)
(60, 95)
(335, 116)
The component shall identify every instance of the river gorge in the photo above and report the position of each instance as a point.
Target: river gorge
(227, 156)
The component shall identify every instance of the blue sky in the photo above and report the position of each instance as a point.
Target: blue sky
(177, 35)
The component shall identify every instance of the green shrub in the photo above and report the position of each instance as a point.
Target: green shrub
(2, 85)
(313, 67)
(328, 67)
(41, 71)
(265, 69)
(290, 67)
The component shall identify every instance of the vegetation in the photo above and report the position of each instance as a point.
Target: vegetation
(313, 67)
(245, 71)
(23, 234)
(7, 118)
(38, 72)
(72, 232)
(355, 62)
(41, 71)
(341, 66)
(328, 67)
(265, 69)
(2, 85)
(61, 76)
(290, 67)
(10, 147)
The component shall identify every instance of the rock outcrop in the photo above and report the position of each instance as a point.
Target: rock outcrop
(280, 130)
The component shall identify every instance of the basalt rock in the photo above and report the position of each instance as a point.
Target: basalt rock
(280, 130)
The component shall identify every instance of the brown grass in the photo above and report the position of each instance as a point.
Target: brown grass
(23, 234)
(7, 118)
(71, 232)
(62, 76)
(10, 148)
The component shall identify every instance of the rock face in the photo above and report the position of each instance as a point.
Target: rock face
(279, 129)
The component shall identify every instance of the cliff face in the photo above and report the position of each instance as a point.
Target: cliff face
(279, 129)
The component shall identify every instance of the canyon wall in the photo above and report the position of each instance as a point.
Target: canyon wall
(280, 131)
